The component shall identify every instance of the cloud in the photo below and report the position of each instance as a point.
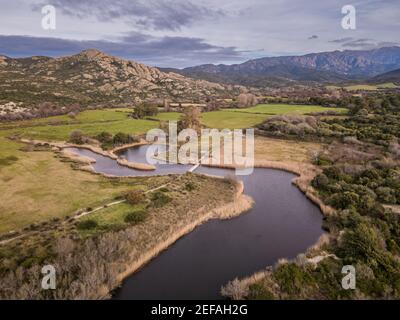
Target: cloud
(161, 51)
(313, 37)
(363, 43)
(147, 14)
(341, 40)
(366, 44)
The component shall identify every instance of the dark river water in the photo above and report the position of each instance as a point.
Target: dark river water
(281, 224)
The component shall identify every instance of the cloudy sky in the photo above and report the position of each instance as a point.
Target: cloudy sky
(181, 33)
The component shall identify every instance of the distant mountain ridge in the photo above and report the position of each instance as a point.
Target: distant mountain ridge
(391, 76)
(316, 67)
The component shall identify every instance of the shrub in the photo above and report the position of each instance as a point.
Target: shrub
(105, 137)
(333, 173)
(159, 199)
(235, 290)
(145, 110)
(292, 279)
(87, 224)
(124, 138)
(321, 181)
(344, 200)
(386, 194)
(134, 197)
(76, 137)
(259, 292)
(190, 186)
(72, 115)
(8, 160)
(136, 217)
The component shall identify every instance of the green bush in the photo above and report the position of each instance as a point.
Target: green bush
(190, 186)
(333, 173)
(344, 200)
(8, 160)
(292, 279)
(145, 110)
(104, 137)
(258, 291)
(122, 138)
(386, 195)
(87, 224)
(321, 181)
(159, 199)
(136, 217)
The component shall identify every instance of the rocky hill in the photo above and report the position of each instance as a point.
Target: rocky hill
(94, 78)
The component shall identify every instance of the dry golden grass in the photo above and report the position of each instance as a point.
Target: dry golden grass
(284, 150)
(39, 187)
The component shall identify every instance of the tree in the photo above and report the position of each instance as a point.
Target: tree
(235, 290)
(134, 197)
(145, 110)
(190, 118)
(247, 100)
(344, 200)
(166, 105)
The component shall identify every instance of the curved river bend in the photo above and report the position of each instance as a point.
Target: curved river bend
(282, 224)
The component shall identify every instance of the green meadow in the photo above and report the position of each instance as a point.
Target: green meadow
(366, 87)
(275, 109)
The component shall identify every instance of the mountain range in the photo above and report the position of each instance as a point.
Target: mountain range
(336, 66)
(95, 78)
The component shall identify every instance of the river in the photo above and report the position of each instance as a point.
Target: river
(281, 224)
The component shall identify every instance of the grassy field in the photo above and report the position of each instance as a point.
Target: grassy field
(90, 122)
(247, 117)
(284, 150)
(231, 120)
(36, 186)
(111, 218)
(367, 87)
(275, 109)
(218, 119)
